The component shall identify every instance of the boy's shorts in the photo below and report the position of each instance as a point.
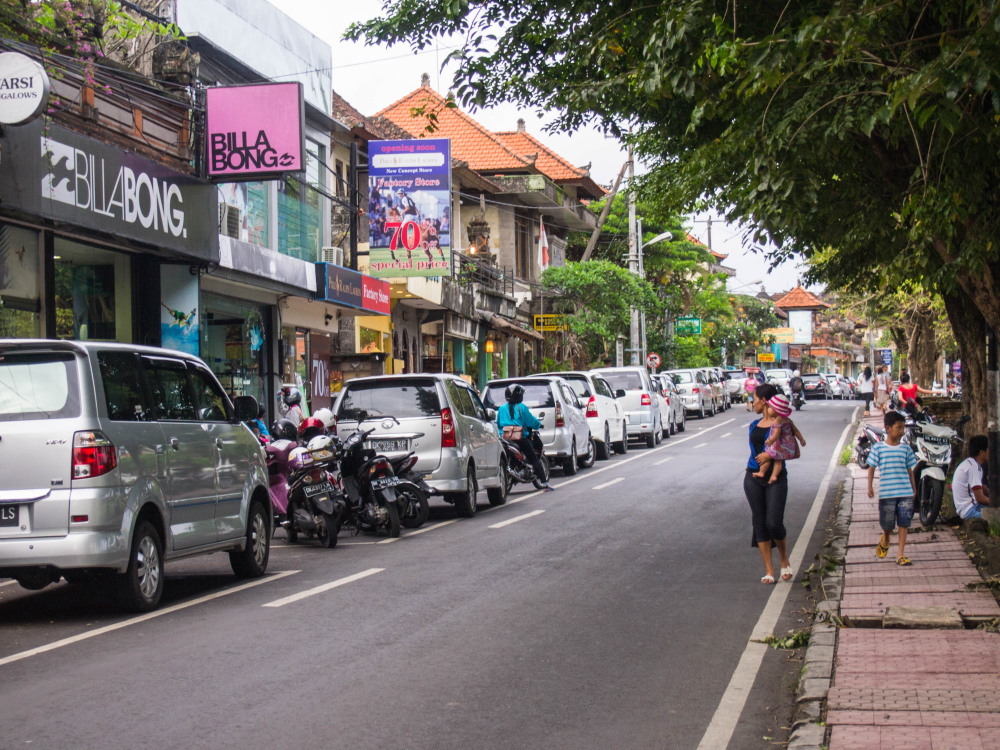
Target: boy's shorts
(895, 510)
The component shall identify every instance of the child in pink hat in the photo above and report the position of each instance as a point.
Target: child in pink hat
(783, 441)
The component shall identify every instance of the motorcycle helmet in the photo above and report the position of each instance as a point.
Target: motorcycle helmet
(326, 417)
(309, 428)
(291, 396)
(284, 429)
(321, 442)
(514, 394)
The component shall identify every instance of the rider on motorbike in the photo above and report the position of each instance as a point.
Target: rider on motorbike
(516, 414)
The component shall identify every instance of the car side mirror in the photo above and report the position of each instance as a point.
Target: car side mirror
(246, 408)
(491, 414)
(620, 393)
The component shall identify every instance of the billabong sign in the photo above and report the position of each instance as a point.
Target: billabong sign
(24, 88)
(255, 132)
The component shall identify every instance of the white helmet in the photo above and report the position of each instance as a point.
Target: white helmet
(326, 417)
(320, 442)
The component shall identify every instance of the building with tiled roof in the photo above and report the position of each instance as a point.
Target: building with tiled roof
(800, 299)
(549, 163)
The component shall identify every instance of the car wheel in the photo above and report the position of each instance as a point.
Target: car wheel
(665, 429)
(622, 446)
(684, 422)
(604, 449)
(465, 502)
(650, 440)
(251, 561)
(569, 464)
(140, 587)
(701, 410)
(498, 495)
(671, 428)
(714, 410)
(585, 462)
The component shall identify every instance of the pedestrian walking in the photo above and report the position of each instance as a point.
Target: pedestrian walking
(766, 500)
(896, 485)
(866, 387)
(883, 385)
(748, 388)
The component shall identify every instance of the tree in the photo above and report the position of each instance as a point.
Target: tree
(864, 126)
(745, 330)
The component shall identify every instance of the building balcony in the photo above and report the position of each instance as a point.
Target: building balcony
(550, 200)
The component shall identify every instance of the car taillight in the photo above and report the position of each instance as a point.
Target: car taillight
(695, 390)
(447, 429)
(93, 454)
(646, 400)
(560, 421)
(592, 407)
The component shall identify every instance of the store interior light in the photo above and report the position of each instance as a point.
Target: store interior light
(491, 346)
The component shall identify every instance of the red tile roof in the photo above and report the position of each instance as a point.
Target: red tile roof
(800, 299)
(470, 141)
(696, 241)
(548, 162)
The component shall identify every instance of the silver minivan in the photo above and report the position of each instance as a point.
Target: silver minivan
(117, 458)
(639, 401)
(442, 421)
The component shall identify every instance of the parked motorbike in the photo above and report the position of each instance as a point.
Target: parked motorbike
(412, 501)
(277, 454)
(371, 486)
(316, 501)
(518, 468)
(868, 437)
(932, 445)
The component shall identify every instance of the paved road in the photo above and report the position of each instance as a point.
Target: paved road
(610, 613)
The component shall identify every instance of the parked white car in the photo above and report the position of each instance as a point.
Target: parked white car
(779, 376)
(602, 409)
(836, 387)
(672, 408)
(642, 412)
(696, 394)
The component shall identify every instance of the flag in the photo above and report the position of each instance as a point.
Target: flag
(543, 246)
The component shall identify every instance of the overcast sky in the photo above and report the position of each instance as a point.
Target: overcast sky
(371, 78)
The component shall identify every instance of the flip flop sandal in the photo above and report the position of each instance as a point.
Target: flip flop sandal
(881, 551)
(787, 574)
(767, 580)
(904, 560)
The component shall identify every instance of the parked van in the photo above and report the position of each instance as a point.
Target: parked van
(639, 401)
(118, 458)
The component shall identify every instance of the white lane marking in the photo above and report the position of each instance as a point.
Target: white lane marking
(142, 618)
(723, 724)
(664, 460)
(424, 530)
(515, 519)
(325, 587)
(616, 480)
(725, 435)
(7, 583)
(700, 445)
(354, 544)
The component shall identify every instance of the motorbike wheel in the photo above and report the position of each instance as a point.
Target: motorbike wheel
(798, 404)
(291, 533)
(328, 536)
(498, 495)
(392, 525)
(546, 467)
(931, 492)
(416, 508)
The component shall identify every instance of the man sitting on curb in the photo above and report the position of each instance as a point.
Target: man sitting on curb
(967, 484)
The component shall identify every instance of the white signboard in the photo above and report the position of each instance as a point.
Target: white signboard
(801, 323)
(24, 88)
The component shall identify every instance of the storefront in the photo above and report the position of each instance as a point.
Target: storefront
(234, 336)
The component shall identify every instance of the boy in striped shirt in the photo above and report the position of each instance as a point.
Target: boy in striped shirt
(896, 485)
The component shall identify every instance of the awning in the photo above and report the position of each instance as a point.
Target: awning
(510, 327)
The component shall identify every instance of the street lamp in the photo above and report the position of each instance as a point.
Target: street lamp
(639, 319)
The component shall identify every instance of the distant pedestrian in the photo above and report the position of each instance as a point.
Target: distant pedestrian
(967, 484)
(748, 388)
(883, 385)
(766, 500)
(866, 387)
(896, 485)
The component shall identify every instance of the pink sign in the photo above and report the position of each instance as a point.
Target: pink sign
(255, 131)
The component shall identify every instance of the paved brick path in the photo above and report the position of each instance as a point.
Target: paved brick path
(932, 689)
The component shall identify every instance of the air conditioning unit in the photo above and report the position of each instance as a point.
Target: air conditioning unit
(230, 219)
(334, 255)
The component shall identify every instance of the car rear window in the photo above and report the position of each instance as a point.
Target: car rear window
(681, 377)
(38, 386)
(401, 399)
(579, 384)
(627, 380)
(536, 395)
(811, 378)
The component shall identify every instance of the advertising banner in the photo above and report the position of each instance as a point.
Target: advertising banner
(781, 335)
(24, 88)
(409, 207)
(688, 326)
(255, 132)
(179, 313)
(352, 289)
(800, 321)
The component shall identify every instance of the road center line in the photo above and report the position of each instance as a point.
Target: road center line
(325, 587)
(616, 480)
(142, 618)
(663, 460)
(515, 519)
(727, 434)
(700, 445)
(727, 714)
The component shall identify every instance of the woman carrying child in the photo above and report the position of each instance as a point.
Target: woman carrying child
(782, 443)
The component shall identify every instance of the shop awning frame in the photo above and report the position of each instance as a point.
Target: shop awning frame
(507, 326)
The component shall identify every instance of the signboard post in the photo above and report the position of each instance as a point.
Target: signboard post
(409, 207)
(688, 326)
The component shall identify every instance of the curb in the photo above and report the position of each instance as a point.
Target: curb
(808, 731)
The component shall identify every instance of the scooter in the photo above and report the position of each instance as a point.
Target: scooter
(316, 499)
(371, 486)
(411, 492)
(932, 444)
(278, 471)
(868, 437)
(798, 398)
(518, 468)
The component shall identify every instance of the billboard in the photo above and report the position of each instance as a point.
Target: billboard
(255, 132)
(352, 289)
(179, 314)
(801, 323)
(409, 207)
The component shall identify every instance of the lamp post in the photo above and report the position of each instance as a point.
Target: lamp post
(641, 272)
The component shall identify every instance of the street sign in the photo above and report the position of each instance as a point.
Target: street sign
(765, 356)
(887, 356)
(550, 322)
(781, 335)
(653, 360)
(688, 326)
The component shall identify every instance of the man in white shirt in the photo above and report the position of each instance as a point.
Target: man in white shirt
(967, 484)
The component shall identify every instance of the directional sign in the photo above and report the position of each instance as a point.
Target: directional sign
(550, 322)
(887, 357)
(765, 356)
(688, 326)
(653, 360)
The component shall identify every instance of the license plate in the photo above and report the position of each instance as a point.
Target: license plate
(8, 515)
(317, 489)
(382, 482)
(389, 446)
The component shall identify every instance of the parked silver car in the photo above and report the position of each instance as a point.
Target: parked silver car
(603, 410)
(442, 421)
(640, 407)
(565, 433)
(118, 458)
(696, 394)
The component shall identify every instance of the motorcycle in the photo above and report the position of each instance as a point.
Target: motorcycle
(412, 501)
(798, 396)
(277, 454)
(931, 444)
(518, 468)
(371, 486)
(316, 501)
(868, 437)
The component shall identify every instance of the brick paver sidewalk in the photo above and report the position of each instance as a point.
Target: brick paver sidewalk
(896, 688)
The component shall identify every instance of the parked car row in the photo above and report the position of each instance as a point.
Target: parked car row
(705, 390)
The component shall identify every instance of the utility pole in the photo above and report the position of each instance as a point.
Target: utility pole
(633, 259)
(708, 231)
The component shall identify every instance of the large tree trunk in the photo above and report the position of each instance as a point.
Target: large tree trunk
(921, 350)
(969, 326)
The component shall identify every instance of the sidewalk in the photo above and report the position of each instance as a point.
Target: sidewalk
(909, 671)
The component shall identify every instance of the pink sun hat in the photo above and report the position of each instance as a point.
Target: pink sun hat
(780, 405)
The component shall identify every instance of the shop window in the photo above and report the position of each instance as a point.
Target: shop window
(19, 298)
(295, 359)
(234, 344)
(244, 211)
(92, 293)
(299, 233)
